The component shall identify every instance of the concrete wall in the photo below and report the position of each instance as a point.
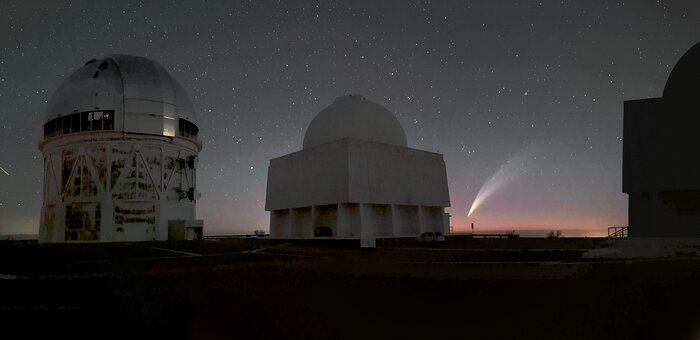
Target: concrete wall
(387, 174)
(660, 147)
(377, 220)
(661, 167)
(185, 230)
(432, 219)
(317, 176)
(358, 189)
(301, 222)
(406, 220)
(280, 223)
(120, 189)
(326, 216)
(656, 215)
(353, 220)
(348, 220)
(643, 146)
(351, 170)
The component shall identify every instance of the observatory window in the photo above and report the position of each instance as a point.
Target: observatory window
(94, 120)
(187, 128)
(59, 125)
(53, 127)
(75, 123)
(108, 120)
(80, 122)
(85, 123)
(65, 122)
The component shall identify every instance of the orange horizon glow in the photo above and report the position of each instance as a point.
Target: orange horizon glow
(593, 226)
(575, 232)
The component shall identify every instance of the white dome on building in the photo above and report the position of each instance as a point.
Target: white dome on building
(356, 179)
(353, 116)
(120, 152)
(138, 92)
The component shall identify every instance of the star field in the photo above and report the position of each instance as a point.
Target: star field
(482, 82)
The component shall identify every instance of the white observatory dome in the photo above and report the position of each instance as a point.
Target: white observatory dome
(353, 116)
(120, 153)
(136, 93)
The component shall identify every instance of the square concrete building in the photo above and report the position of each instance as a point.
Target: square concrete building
(356, 178)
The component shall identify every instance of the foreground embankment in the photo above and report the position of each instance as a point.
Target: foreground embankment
(237, 288)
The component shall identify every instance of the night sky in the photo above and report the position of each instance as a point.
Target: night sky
(534, 88)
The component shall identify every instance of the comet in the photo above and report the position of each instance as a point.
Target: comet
(5, 171)
(505, 174)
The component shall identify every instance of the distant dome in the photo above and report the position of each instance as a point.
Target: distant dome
(125, 84)
(682, 82)
(353, 116)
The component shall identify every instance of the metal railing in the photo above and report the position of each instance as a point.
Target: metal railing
(617, 232)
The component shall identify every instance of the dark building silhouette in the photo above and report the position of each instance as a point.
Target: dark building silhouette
(661, 156)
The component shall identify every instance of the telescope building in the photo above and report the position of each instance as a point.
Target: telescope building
(120, 150)
(356, 178)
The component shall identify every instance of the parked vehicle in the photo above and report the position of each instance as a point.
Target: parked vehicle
(439, 237)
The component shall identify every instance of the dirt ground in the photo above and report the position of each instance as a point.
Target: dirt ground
(231, 289)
